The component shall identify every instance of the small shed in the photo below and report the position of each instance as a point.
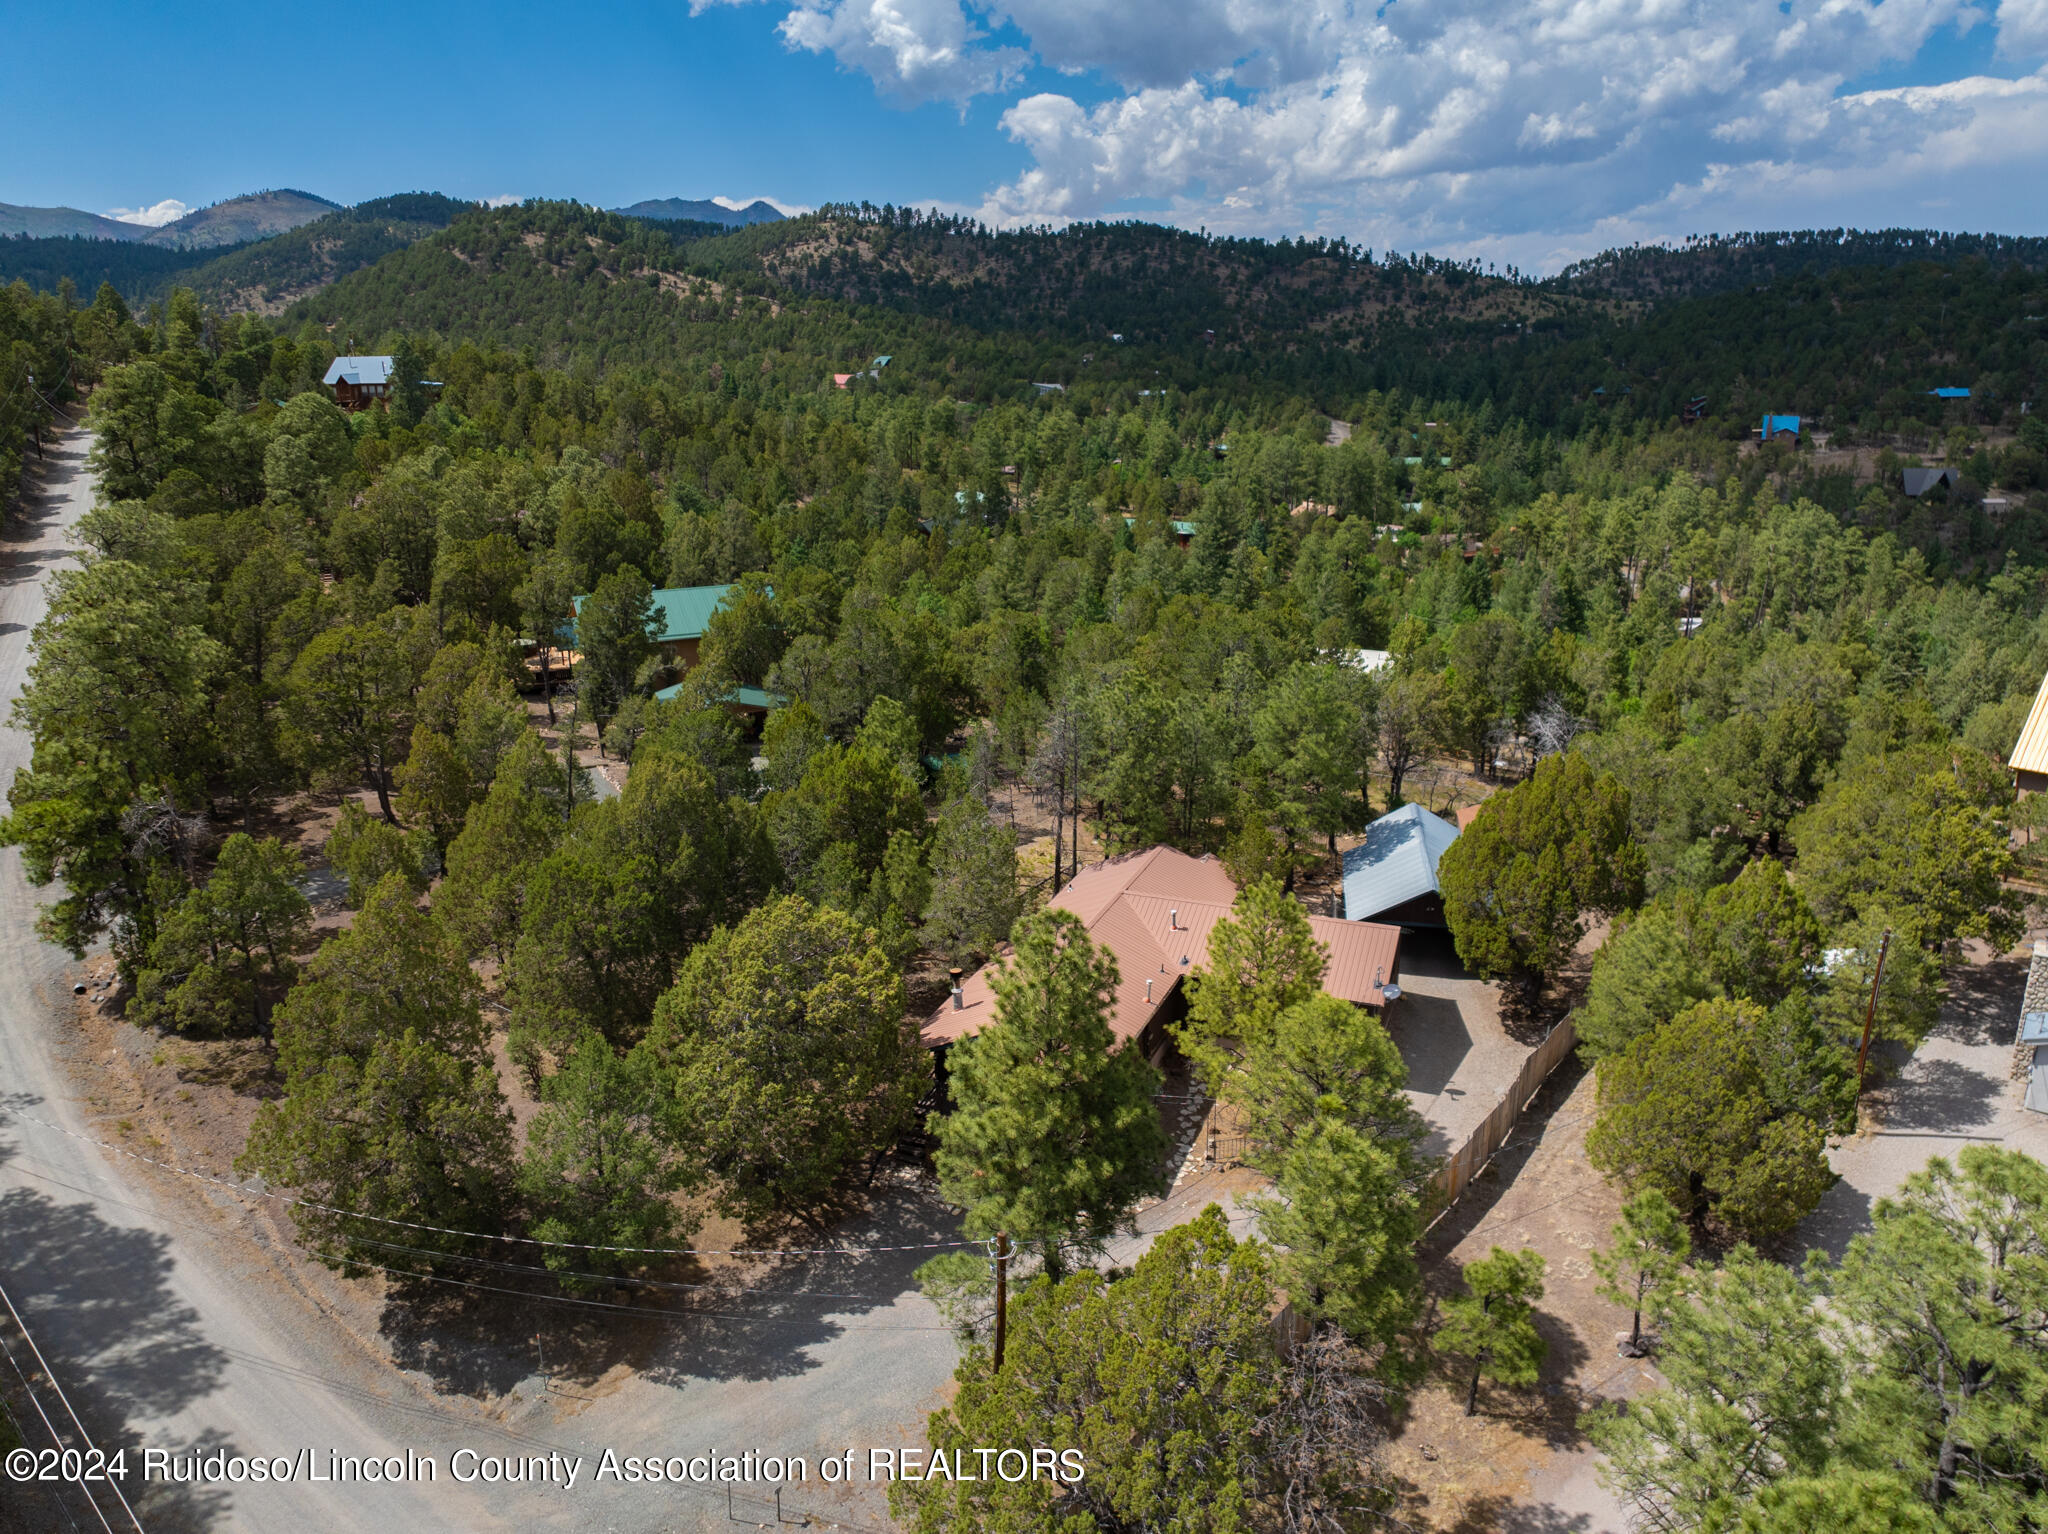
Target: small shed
(1391, 875)
(357, 381)
(1920, 481)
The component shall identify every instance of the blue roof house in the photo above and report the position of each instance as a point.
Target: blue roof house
(1391, 876)
(1950, 393)
(1776, 426)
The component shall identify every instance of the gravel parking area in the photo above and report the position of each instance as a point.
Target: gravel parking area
(1448, 1029)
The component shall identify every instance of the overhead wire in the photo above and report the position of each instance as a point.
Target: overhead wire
(71, 1411)
(476, 1235)
(55, 1436)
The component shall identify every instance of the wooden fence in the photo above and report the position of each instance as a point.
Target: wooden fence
(1460, 1168)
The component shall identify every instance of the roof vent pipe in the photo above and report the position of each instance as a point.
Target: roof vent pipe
(959, 995)
(1173, 918)
(1148, 989)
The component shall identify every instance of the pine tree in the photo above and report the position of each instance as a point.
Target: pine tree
(1649, 1252)
(1054, 1136)
(1263, 958)
(391, 1104)
(1493, 1322)
(596, 1171)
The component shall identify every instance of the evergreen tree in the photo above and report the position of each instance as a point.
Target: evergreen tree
(1493, 1322)
(391, 1106)
(503, 839)
(1167, 1385)
(1518, 883)
(596, 1171)
(1688, 1110)
(786, 1058)
(228, 942)
(1054, 1136)
(1649, 1252)
(1263, 958)
(1754, 1397)
(976, 897)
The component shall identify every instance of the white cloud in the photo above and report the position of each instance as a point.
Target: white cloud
(503, 200)
(169, 211)
(921, 50)
(1531, 130)
(2022, 28)
(787, 209)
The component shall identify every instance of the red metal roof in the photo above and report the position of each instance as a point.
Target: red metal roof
(1154, 912)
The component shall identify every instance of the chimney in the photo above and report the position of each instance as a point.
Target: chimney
(959, 996)
(1173, 918)
(1148, 988)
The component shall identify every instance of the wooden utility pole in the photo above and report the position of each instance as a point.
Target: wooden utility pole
(1002, 1294)
(1870, 1012)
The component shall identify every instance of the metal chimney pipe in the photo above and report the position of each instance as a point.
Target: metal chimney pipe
(959, 995)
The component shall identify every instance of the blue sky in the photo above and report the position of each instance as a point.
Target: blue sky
(1521, 130)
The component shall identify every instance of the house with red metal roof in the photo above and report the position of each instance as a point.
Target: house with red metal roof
(1154, 911)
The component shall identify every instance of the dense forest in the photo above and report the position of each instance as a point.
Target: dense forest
(1752, 713)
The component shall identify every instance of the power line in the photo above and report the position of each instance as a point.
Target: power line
(474, 1235)
(58, 1438)
(51, 1375)
(604, 1278)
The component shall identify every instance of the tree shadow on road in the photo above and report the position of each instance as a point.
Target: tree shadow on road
(1503, 1515)
(1933, 1095)
(686, 1322)
(96, 1300)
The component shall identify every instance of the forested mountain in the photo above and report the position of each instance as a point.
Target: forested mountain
(1718, 263)
(703, 210)
(137, 271)
(64, 224)
(272, 273)
(238, 220)
(1858, 346)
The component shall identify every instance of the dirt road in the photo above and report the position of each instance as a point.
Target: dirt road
(172, 1324)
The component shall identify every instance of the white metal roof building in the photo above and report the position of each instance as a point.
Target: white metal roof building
(363, 372)
(1391, 875)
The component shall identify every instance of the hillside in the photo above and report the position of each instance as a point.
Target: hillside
(986, 315)
(64, 223)
(267, 276)
(237, 221)
(137, 271)
(1726, 263)
(703, 210)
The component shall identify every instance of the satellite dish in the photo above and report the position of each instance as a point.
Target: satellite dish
(1390, 993)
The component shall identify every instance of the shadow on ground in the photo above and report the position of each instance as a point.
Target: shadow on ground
(756, 1324)
(96, 1301)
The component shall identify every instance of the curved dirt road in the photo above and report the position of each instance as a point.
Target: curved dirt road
(145, 1316)
(171, 1324)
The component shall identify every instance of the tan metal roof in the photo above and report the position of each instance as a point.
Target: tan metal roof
(2030, 751)
(1154, 912)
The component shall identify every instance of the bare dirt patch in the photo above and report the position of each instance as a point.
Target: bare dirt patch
(1465, 1473)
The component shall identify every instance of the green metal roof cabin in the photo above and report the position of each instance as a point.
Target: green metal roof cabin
(685, 614)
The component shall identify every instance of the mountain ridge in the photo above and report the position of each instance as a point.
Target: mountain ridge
(703, 210)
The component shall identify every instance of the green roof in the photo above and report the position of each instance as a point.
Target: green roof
(748, 697)
(685, 610)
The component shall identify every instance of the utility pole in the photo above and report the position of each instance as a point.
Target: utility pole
(1870, 1012)
(1002, 1294)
